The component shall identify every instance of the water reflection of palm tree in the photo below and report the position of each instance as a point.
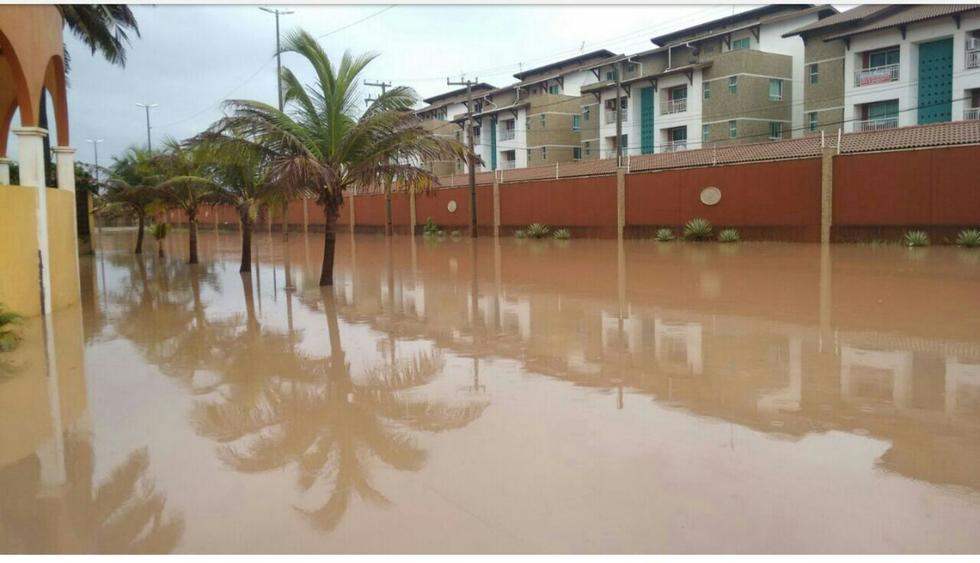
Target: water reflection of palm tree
(123, 514)
(329, 425)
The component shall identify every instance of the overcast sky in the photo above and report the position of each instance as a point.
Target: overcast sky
(190, 58)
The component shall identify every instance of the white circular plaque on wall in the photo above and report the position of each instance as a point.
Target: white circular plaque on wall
(451, 206)
(710, 195)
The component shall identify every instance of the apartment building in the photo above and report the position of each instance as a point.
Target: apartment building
(536, 121)
(437, 117)
(726, 81)
(884, 66)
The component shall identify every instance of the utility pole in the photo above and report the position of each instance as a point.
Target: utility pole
(471, 157)
(278, 13)
(387, 179)
(95, 145)
(619, 116)
(149, 144)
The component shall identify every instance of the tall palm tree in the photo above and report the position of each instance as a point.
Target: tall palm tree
(103, 28)
(131, 187)
(323, 148)
(183, 166)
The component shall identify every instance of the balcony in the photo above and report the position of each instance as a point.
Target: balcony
(876, 75)
(611, 116)
(677, 105)
(971, 114)
(973, 59)
(674, 146)
(506, 134)
(508, 164)
(877, 124)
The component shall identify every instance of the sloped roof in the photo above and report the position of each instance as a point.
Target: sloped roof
(445, 96)
(576, 60)
(852, 16)
(903, 15)
(727, 23)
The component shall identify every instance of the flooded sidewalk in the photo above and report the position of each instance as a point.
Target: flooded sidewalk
(500, 396)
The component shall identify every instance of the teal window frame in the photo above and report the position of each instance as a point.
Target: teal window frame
(743, 43)
(732, 129)
(576, 153)
(706, 87)
(733, 84)
(587, 145)
(576, 123)
(553, 89)
(705, 133)
(775, 90)
(775, 130)
(544, 121)
(813, 121)
(586, 113)
(814, 73)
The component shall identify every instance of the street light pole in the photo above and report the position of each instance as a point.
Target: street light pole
(278, 13)
(95, 145)
(149, 144)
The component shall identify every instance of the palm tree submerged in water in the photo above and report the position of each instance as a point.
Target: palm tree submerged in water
(321, 146)
(131, 188)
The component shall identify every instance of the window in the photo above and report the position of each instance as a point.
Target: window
(814, 73)
(576, 122)
(576, 153)
(881, 57)
(705, 133)
(544, 153)
(586, 113)
(677, 93)
(677, 134)
(631, 67)
(707, 90)
(543, 120)
(813, 121)
(476, 130)
(588, 148)
(882, 111)
(775, 89)
(742, 43)
(528, 154)
(610, 75)
(732, 129)
(553, 89)
(775, 130)
(733, 85)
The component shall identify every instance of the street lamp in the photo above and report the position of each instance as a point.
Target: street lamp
(95, 145)
(278, 13)
(149, 146)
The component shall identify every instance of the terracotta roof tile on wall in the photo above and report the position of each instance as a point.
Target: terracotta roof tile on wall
(919, 136)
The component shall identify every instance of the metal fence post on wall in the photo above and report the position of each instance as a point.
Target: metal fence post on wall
(496, 206)
(620, 201)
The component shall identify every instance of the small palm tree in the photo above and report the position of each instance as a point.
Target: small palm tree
(323, 148)
(131, 186)
(183, 166)
(159, 232)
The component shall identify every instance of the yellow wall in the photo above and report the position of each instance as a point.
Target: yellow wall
(62, 248)
(19, 288)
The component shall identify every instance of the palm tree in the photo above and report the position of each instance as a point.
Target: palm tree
(322, 147)
(184, 166)
(102, 28)
(130, 188)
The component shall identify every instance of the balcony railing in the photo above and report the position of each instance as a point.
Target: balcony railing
(877, 124)
(876, 75)
(674, 146)
(674, 106)
(611, 116)
(506, 134)
(508, 164)
(973, 59)
(970, 114)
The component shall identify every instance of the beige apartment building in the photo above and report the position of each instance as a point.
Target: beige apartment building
(437, 117)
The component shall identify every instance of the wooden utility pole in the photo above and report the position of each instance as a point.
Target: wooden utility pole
(619, 116)
(471, 157)
(387, 180)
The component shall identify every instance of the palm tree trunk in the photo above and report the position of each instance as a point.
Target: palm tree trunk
(139, 233)
(192, 224)
(160, 248)
(329, 244)
(252, 321)
(246, 239)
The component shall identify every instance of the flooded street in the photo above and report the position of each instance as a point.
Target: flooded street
(500, 396)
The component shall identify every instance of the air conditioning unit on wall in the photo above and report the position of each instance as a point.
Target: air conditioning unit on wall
(973, 43)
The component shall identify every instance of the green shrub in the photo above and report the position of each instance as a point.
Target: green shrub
(969, 238)
(916, 238)
(8, 338)
(537, 230)
(562, 234)
(430, 229)
(698, 229)
(729, 235)
(158, 231)
(664, 235)
(519, 233)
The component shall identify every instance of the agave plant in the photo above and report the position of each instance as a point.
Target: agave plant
(916, 238)
(159, 232)
(520, 233)
(664, 235)
(698, 229)
(537, 230)
(8, 338)
(430, 229)
(969, 238)
(729, 235)
(562, 234)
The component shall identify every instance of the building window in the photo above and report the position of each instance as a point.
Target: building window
(707, 90)
(528, 155)
(576, 153)
(733, 85)
(732, 129)
(543, 120)
(586, 113)
(775, 130)
(775, 89)
(881, 57)
(814, 73)
(476, 130)
(879, 115)
(742, 43)
(588, 148)
(610, 75)
(576, 123)
(631, 67)
(527, 123)
(553, 89)
(705, 133)
(544, 153)
(813, 121)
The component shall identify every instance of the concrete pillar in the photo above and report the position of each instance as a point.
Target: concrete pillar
(412, 221)
(826, 194)
(620, 201)
(30, 156)
(351, 201)
(65, 167)
(306, 215)
(496, 206)
(5, 171)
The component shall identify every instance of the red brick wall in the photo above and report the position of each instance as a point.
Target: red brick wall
(578, 202)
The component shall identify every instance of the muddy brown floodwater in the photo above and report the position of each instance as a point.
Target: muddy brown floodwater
(511, 396)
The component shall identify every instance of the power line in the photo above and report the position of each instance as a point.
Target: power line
(352, 24)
